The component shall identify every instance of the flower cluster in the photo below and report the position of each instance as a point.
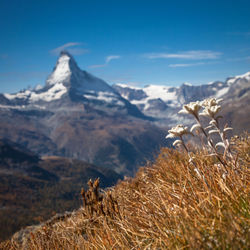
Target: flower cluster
(192, 108)
(209, 108)
(211, 102)
(177, 131)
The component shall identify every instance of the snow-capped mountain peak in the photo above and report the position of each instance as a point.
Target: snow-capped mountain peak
(69, 86)
(64, 68)
(68, 73)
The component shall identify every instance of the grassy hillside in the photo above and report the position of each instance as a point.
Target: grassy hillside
(167, 205)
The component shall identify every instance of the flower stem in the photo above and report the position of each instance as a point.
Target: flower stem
(210, 143)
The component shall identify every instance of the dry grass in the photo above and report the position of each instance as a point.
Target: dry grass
(166, 206)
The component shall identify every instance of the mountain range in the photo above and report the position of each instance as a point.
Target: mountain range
(163, 102)
(78, 115)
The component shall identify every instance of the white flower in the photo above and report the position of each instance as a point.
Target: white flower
(192, 108)
(211, 110)
(177, 131)
(211, 102)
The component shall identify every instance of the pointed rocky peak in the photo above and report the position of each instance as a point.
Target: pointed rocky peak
(68, 74)
(65, 67)
(65, 53)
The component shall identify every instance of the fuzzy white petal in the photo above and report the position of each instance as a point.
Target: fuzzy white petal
(213, 122)
(213, 131)
(195, 126)
(208, 127)
(204, 114)
(183, 111)
(170, 136)
(227, 129)
(177, 142)
(220, 144)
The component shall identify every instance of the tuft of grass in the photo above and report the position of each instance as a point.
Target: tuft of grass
(165, 206)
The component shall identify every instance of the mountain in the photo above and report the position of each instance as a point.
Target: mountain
(66, 84)
(33, 188)
(78, 115)
(163, 102)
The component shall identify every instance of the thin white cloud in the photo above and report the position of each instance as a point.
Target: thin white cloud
(72, 47)
(107, 61)
(191, 55)
(178, 65)
(111, 57)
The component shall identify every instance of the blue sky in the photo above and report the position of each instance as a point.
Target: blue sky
(138, 42)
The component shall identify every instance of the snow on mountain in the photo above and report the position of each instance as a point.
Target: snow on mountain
(149, 95)
(63, 69)
(222, 92)
(20, 95)
(107, 97)
(154, 92)
(162, 92)
(38, 87)
(53, 93)
(232, 80)
(188, 84)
